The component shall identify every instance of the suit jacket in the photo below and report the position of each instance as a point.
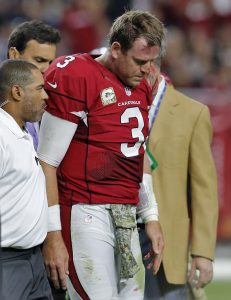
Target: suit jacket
(180, 141)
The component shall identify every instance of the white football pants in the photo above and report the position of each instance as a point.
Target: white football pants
(96, 258)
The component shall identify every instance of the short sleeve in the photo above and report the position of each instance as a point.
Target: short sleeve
(65, 87)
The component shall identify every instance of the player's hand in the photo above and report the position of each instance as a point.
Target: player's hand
(154, 233)
(56, 259)
(205, 268)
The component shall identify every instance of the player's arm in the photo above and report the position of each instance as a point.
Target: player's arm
(148, 211)
(54, 139)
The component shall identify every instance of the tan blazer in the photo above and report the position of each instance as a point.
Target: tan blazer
(180, 141)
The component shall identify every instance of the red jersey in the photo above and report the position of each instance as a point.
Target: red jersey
(104, 162)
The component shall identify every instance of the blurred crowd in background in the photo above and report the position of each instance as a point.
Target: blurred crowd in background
(199, 44)
(198, 55)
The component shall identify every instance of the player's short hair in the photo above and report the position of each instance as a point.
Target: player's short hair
(32, 30)
(135, 24)
(14, 72)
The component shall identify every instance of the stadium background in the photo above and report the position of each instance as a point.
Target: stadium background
(198, 61)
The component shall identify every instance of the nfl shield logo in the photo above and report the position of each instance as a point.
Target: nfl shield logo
(128, 91)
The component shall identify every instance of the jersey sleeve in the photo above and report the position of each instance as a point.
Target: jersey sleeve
(52, 131)
(65, 86)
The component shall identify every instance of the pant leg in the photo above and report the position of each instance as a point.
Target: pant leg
(73, 295)
(93, 244)
(133, 288)
(156, 286)
(58, 294)
(41, 287)
(16, 275)
(24, 276)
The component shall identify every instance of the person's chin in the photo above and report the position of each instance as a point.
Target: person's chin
(43, 109)
(39, 116)
(136, 81)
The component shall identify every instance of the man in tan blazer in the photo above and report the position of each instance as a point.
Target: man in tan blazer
(185, 186)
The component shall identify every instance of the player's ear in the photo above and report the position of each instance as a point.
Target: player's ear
(13, 53)
(115, 49)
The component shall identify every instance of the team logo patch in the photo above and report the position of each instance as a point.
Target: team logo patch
(108, 96)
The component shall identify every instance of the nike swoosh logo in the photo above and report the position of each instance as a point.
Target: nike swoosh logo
(52, 84)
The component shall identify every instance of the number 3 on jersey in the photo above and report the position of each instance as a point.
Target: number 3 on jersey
(133, 112)
(67, 60)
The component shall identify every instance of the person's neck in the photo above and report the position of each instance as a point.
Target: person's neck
(11, 111)
(159, 78)
(105, 60)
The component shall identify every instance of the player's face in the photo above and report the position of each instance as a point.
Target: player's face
(38, 54)
(34, 99)
(131, 67)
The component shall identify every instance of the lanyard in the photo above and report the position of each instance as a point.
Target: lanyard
(158, 99)
(157, 105)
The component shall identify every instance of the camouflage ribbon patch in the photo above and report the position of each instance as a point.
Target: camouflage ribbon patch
(125, 222)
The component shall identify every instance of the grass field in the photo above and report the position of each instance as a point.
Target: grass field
(219, 290)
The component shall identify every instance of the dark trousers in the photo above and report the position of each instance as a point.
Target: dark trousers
(58, 294)
(23, 275)
(156, 286)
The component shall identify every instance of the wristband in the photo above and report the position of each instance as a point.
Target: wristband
(54, 222)
(148, 216)
(147, 207)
